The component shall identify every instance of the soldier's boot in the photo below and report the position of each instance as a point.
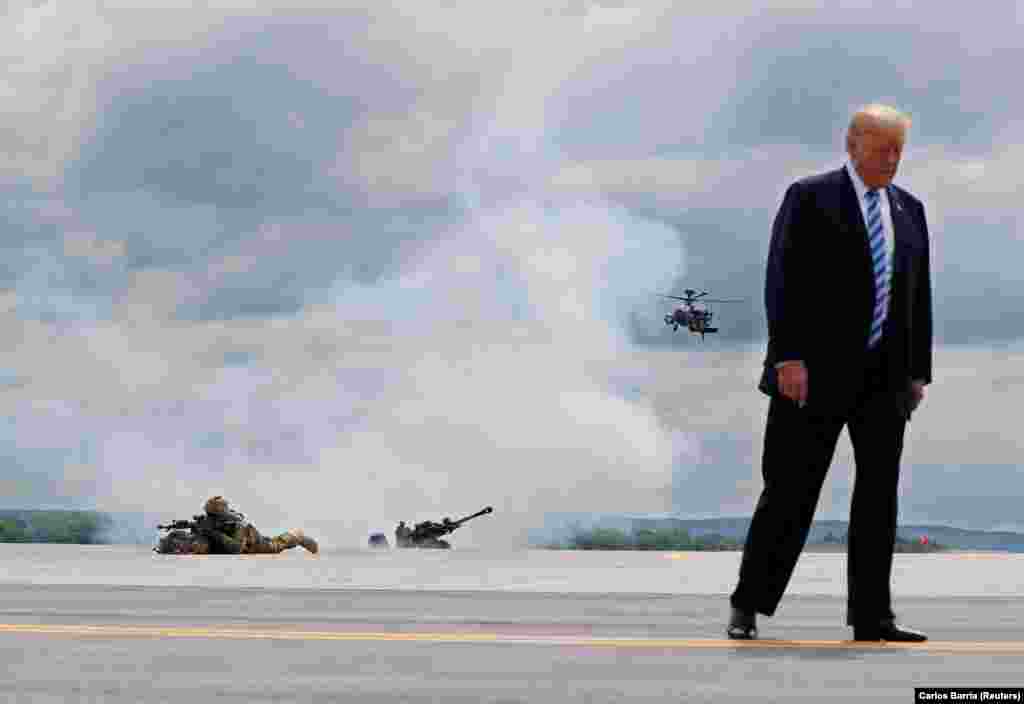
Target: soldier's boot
(294, 539)
(305, 541)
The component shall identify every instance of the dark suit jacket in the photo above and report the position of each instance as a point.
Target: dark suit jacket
(819, 292)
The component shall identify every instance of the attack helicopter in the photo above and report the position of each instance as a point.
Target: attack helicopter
(697, 320)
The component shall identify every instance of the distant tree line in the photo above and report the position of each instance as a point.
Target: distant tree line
(911, 545)
(646, 539)
(74, 527)
(902, 544)
(680, 539)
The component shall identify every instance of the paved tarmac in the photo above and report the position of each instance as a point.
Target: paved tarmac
(116, 642)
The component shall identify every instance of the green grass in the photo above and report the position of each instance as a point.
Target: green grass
(680, 539)
(647, 539)
(71, 527)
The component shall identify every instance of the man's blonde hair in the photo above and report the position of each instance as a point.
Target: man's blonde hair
(875, 114)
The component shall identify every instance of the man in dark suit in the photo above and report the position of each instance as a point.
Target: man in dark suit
(848, 298)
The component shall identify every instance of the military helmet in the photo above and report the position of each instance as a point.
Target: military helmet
(216, 504)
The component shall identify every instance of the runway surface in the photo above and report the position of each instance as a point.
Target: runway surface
(232, 641)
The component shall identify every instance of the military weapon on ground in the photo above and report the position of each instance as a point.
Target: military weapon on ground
(188, 537)
(428, 534)
(179, 525)
(183, 538)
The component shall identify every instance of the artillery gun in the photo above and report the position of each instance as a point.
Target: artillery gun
(429, 533)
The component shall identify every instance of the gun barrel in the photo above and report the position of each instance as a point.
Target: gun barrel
(482, 512)
(179, 524)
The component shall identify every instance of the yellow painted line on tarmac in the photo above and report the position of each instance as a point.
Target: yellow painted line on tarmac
(118, 631)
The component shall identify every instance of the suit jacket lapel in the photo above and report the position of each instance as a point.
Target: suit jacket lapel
(852, 214)
(900, 225)
(851, 209)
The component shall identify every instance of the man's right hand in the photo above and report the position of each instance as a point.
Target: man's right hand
(793, 381)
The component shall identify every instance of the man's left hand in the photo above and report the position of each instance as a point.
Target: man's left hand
(916, 393)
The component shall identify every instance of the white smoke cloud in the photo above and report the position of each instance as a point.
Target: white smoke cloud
(466, 378)
(492, 386)
(498, 398)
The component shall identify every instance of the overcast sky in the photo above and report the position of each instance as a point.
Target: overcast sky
(349, 266)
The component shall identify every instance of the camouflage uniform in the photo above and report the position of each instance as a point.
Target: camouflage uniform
(253, 542)
(230, 533)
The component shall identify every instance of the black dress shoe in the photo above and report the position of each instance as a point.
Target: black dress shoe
(888, 630)
(742, 625)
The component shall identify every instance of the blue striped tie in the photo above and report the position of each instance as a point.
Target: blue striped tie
(880, 265)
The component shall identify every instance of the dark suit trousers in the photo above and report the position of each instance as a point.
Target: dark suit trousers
(799, 445)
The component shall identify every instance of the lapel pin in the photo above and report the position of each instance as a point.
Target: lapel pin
(895, 198)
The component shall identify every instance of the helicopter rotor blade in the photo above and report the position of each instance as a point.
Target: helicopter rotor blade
(723, 300)
(678, 298)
